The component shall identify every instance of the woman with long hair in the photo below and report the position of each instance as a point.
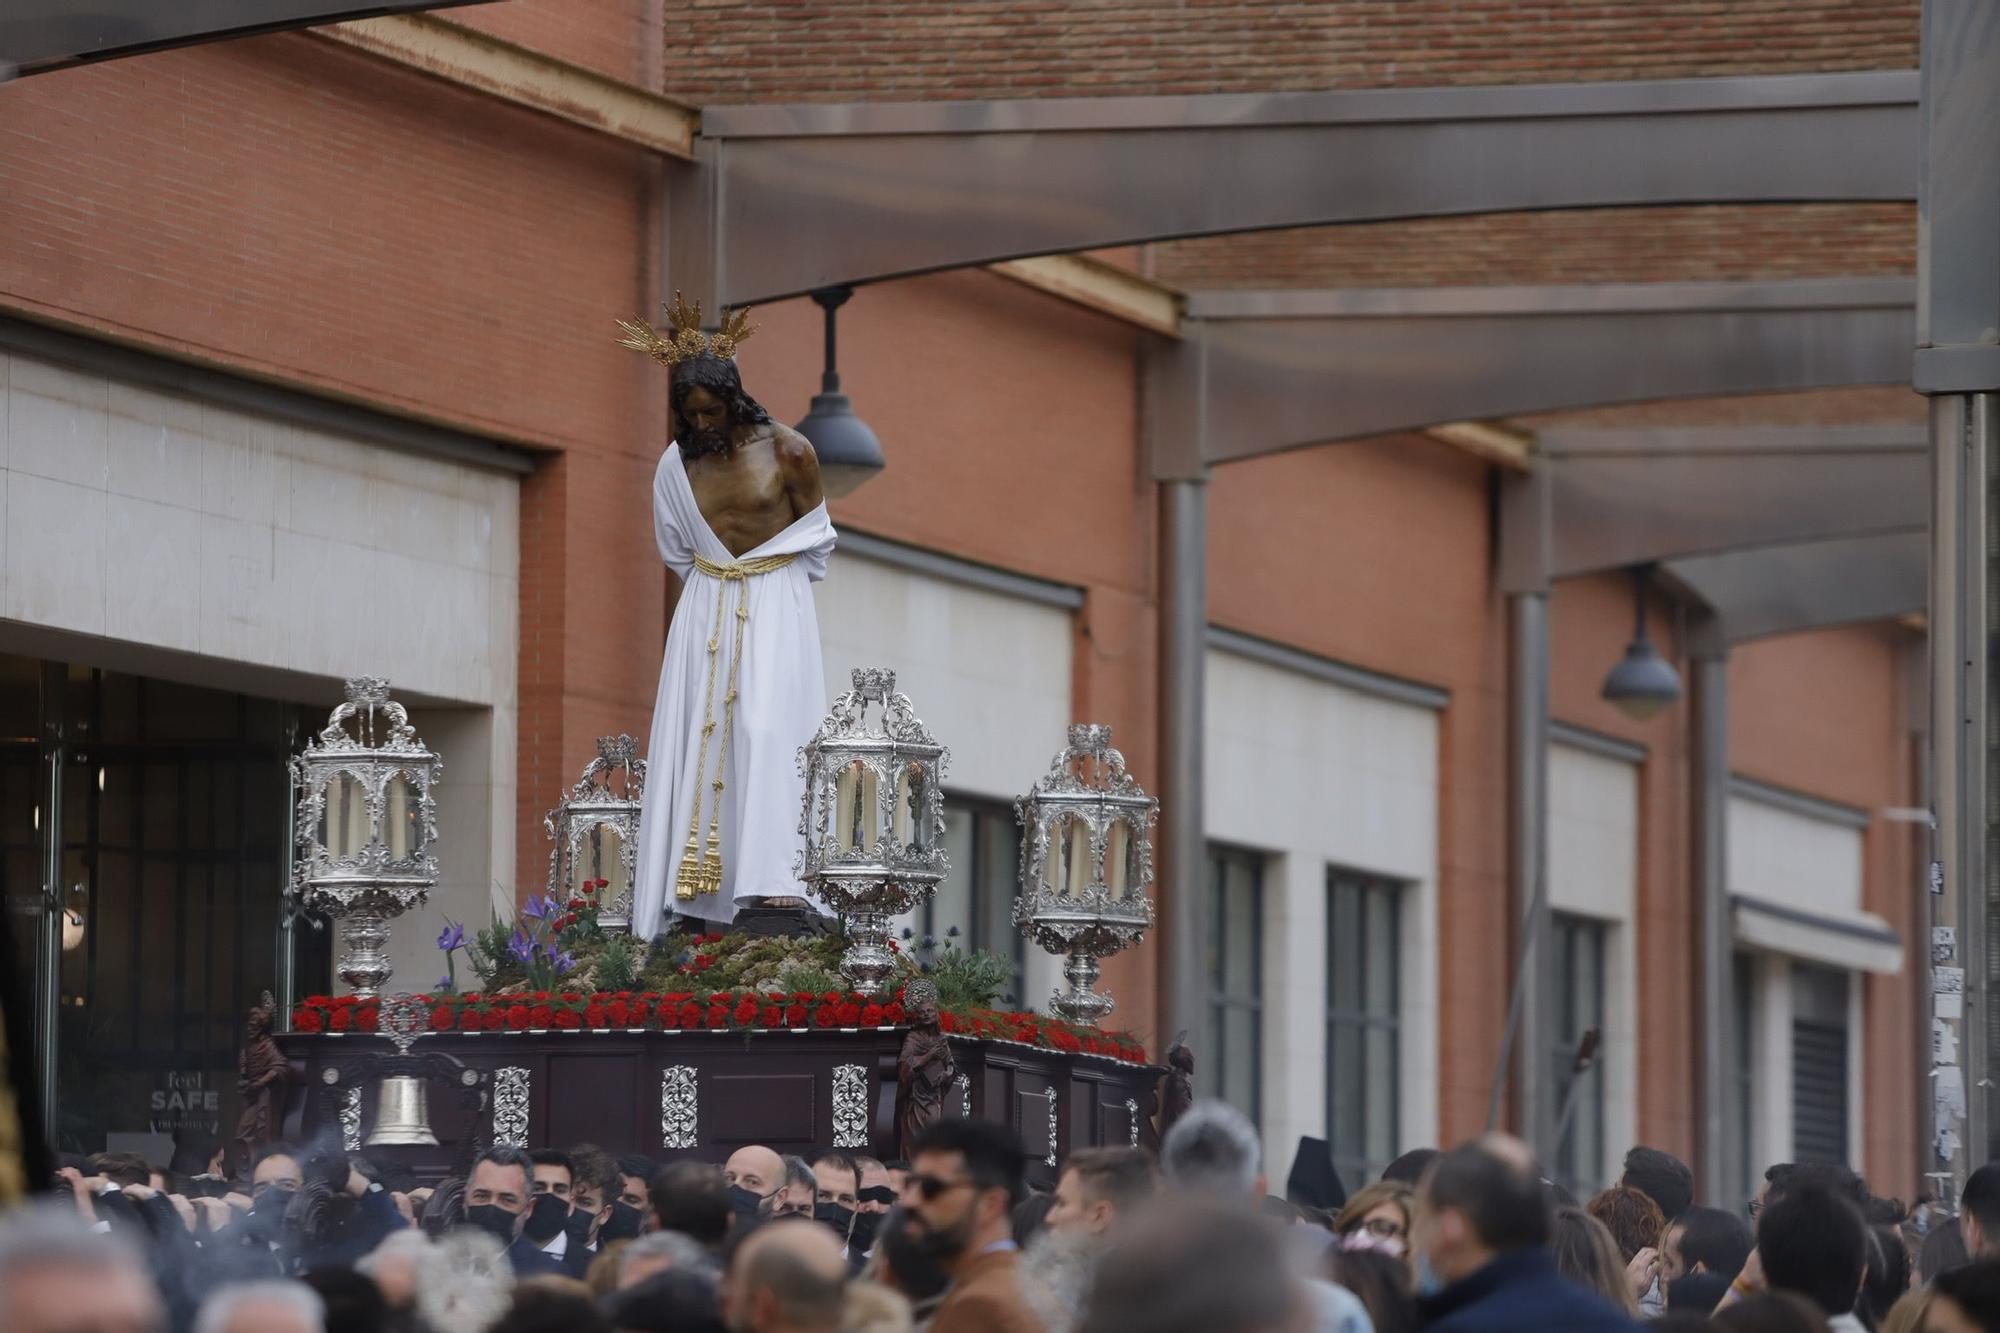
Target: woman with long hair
(1586, 1254)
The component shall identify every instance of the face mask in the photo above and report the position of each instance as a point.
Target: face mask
(491, 1217)
(833, 1215)
(1428, 1282)
(623, 1224)
(545, 1218)
(744, 1204)
(862, 1239)
(577, 1224)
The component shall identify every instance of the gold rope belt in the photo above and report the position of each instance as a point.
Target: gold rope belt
(699, 872)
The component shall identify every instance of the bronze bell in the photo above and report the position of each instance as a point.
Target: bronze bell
(402, 1113)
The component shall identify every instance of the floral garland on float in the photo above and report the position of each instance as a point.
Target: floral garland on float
(555, 969)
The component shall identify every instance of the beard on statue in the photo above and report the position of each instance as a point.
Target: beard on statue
(709, 404)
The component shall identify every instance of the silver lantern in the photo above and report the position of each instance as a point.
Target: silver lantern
(1086, 863)
(366, 826)
(873, 819)
(596, 831)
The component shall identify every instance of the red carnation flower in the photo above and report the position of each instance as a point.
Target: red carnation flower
(493, 1020)
(441, 1018)
(468, 1021)
(826, 1016)
(620, 1013)
(850, 1015)
(569, 1020)
(871, 1016)
(517, 1016)
(746, 1011)
(571, 997)
(690, 1015)
(948, 1022)
(718, 1017)
(715, 938)
(343, 1019)
(796, 1016)
(596, 1016)
(317, 1001)
(541, 995)
(541, 1016)
(772, 1016)
(723, 997)
(641, 1011)
(833, 997)
(368, 1019)
(895, 1015)
(308, 1020)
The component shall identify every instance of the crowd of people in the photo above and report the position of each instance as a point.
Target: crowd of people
(1473, 1240)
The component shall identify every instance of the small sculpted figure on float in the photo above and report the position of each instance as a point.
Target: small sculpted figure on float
(261, 1072)
(741, 521)
(924, 1067)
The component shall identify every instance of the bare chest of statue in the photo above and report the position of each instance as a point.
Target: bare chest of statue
(741, 492)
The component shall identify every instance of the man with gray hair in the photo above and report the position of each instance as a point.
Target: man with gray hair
(262, 1307)
(58, 1274)
(1213, 1152)
(799, 1192)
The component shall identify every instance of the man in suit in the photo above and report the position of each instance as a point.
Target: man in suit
(1481, 1246)
(965, 1178)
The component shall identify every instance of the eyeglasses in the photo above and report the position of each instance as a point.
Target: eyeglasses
(933, 1189)
(1384, 1229)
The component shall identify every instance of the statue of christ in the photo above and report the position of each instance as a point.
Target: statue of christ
(740, 519)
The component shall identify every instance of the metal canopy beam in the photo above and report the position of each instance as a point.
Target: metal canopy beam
(1810, 585)
(1608, 499)
(1260, 372)
(41, 35)
(793, 198)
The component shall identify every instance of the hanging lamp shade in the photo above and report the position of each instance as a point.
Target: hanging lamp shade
(1643, 684)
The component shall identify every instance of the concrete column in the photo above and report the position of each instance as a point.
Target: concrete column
(1715, 1004)
(1183, 653)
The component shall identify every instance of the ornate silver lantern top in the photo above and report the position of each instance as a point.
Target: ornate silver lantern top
(1086, 863)
(596, 831)
(366, 824)
(873, 817)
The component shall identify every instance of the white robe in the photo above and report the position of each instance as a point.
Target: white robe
(781, 700)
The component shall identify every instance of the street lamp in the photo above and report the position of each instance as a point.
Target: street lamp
(1643, 684)
(848, 451)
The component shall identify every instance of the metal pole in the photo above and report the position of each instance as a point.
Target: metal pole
(48, 989)
(1528, 806)
(1957, 363)
(1711, 835)
(1183, 649)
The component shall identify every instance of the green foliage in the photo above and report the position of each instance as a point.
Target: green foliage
(811, 979)
(490, 959)
(969, 979)
(617, 966)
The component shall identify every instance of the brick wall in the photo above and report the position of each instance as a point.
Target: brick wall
(720, 51)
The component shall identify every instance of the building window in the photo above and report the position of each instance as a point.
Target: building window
(1233, 1046)
(977, 897)
(1819, 1064)
(1580, 955)
(1363, 1024)
(1740, 1140)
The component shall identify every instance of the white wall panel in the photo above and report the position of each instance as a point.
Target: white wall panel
(1315, 775)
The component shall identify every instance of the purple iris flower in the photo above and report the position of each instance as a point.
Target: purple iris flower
(444, 983)
(564, 962)
(453, 936)
(537, 907)
(521, 947)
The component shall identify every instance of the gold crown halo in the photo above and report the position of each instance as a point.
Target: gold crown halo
(685, 339)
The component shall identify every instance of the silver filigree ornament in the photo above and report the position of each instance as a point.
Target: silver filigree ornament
(1050, 1160)
(366, 826)
(596, 831)
(1132, 1118)
(850, 1106)
(350, 1118)
(510, 1106)
(872, 818)
(1086, 863)
(679, 1108)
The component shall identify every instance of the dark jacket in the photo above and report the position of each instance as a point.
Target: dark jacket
(1521, 1292)
(531, 1260)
